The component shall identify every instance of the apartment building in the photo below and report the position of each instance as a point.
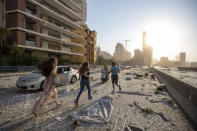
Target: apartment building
(91, 45)
(2, 13)
(46, 25)
(121, 54)
(81, 50)
(89, 41)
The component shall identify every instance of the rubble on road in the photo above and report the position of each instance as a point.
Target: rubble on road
(128, 73)
(104, 112)
(139, 75)
(152, 76)
(150, 111)
(128, 78)
(166, 101)
(132, 128)
(76, 124)
(161, 87)
(146, 74)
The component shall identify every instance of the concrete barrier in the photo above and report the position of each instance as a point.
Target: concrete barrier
(183, 93)
(188, 68)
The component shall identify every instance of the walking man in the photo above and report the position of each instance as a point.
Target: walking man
(114, 76)
(84, 81)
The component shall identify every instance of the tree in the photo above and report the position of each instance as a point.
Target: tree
(4, 33)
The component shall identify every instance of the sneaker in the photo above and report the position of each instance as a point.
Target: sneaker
(90, 98)
(76, 103)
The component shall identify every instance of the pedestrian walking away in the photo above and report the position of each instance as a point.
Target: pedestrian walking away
(104, 75)
(84, 81)
(114, 76)
(49, 95)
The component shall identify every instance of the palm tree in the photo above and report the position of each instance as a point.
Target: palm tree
(4, 33)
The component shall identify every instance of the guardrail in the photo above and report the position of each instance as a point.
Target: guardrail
(4, 69)
(183, 93)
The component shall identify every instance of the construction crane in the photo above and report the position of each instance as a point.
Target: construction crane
(126, 44)
(126, 41)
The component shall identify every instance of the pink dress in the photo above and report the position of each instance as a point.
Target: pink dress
(49, 94)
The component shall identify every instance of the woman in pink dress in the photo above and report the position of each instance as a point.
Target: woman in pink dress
(49, 95)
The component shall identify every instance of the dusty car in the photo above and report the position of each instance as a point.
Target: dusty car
(35, 80)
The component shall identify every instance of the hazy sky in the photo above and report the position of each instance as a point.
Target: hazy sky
(172, 25)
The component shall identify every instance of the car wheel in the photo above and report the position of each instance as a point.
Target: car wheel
(41, 86)
(74, 79)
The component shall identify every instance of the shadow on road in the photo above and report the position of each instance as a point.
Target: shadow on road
(133, 93)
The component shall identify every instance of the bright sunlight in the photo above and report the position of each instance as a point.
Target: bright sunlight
(163, 36)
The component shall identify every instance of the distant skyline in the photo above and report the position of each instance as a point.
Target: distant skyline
(173, 22)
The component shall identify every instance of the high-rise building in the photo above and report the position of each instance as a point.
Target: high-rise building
(121, 54)
(182, 58)
(138, 58)
(144, 46)
(147, 51)
(45, 25)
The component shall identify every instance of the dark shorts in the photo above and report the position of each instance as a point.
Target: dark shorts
(114, 79)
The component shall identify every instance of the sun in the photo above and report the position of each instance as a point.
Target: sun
(163, 37)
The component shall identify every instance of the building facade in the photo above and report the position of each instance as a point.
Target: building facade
(81, 50)
(46, 25)
(182, 58)
(121, 54)
(91, 45)
(2, 13)
(138, 58)
(89, 42)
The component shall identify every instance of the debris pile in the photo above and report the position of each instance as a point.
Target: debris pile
(128, 78)
(146, 74)
(161, 87)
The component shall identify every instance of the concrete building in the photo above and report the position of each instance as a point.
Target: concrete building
(81, 50)
(138, 58)
(182, 58)
(89, 42)
(165, 62)
(2, 13)
(193, 64)
(45, 25)
(91, 45)
(121, 54)
(147, 51)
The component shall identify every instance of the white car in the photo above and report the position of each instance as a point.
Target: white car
(35, 80)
